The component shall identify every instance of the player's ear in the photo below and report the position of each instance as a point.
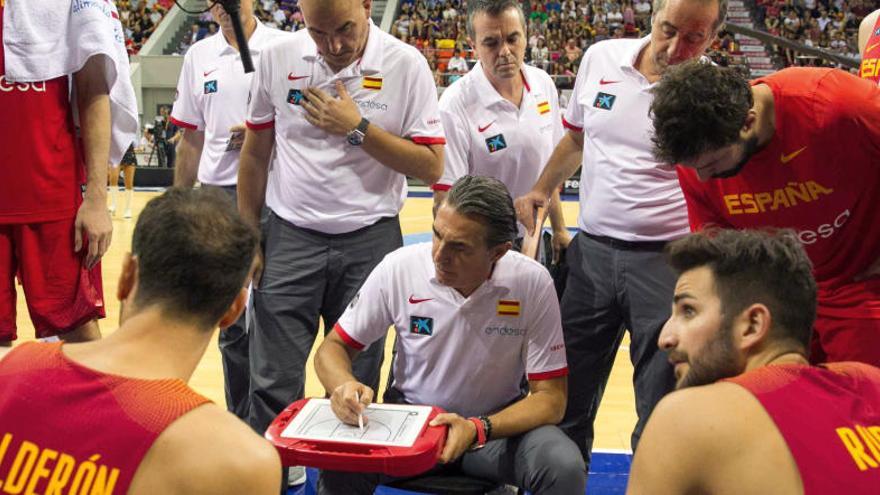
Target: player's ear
(753, 326)
(749, 124)
(235, 309)
(500, 250)
(128, 277)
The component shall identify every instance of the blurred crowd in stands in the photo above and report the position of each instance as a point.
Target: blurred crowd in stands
(558, 31)
(139, 19)
(828, 24)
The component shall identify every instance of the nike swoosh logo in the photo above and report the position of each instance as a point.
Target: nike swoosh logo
(413, 300)
(208, 72)
(789, 157)
(481, 129)
(291, 77)
(871, 47)
(603, 82)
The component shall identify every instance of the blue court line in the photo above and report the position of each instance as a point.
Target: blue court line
(609, 472)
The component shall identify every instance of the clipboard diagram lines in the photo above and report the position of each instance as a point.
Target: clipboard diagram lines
(387, 424)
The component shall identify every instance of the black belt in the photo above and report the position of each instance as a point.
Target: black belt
(627, 245)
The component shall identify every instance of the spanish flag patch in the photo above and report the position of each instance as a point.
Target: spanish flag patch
(543, 107)
(372, 83)
(508, 307)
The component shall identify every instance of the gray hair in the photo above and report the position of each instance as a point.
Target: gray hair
(492, 8)
(722, 11)
(485, 199)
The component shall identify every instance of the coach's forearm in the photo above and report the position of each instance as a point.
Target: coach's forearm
(563, 162)
(424, 162)
(545, 405)
(333, 362)
(189, 151)
(253, 173)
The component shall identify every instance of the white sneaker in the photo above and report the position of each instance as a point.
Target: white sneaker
(296, 475)
(127, 213)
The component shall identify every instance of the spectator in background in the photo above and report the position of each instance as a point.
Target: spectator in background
(572, 51)
(457, 66)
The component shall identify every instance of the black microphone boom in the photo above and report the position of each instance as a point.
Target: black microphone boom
(232, 10)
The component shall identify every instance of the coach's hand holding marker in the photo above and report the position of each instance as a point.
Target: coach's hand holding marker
(349, 401)
(335, 115)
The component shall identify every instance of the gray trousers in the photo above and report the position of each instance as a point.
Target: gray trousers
(542, 461)
(613, 286)
(307, 275)
(233, 343)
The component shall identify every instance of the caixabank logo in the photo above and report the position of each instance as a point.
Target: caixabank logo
(422, 325)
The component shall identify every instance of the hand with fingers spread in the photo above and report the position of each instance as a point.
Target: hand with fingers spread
(527, 207)
(94, 229)
(459, 438)
(335, 115)
(349, 400)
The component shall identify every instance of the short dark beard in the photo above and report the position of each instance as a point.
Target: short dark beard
(750, 147)
(716, 361)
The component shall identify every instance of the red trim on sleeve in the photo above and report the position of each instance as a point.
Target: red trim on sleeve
(259, 127)
(347, 338)
(441, 187)
(180, 123)
(546, 375)
(428, 140)
(573, 127)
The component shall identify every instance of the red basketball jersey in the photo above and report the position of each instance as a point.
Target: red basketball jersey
(830, 418)
(65, 428)
(41, 169)
(819, 175)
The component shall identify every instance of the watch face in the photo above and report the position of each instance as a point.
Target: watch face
(355, 138)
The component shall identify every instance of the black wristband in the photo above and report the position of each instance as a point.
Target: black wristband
(487, 425)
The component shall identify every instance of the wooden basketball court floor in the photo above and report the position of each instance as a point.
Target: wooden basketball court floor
(616, 415)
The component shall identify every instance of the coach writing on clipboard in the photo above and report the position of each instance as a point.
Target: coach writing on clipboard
(471, 318)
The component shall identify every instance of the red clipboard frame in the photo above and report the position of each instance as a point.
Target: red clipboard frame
(359, 458)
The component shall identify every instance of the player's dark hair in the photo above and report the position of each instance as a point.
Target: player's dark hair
(698, 108)
(769, 267)
(493, 8)
(194, 252)
(487, 200)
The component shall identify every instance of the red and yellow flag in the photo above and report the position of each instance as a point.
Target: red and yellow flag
(508, 307)
(543, 107)
(372, 83)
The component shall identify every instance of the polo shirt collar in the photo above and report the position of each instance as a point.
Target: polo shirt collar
(253, 43)
(628, 63)
(489, 94)
(369, 63)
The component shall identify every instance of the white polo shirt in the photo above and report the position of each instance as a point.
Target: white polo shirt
(466, 355)
(624, 192)
(212, 94)
(490, 136)
(317, 180)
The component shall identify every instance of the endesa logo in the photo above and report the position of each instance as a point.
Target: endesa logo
(505, 331)
(823, 231)
(372, 105)
(8, 87)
